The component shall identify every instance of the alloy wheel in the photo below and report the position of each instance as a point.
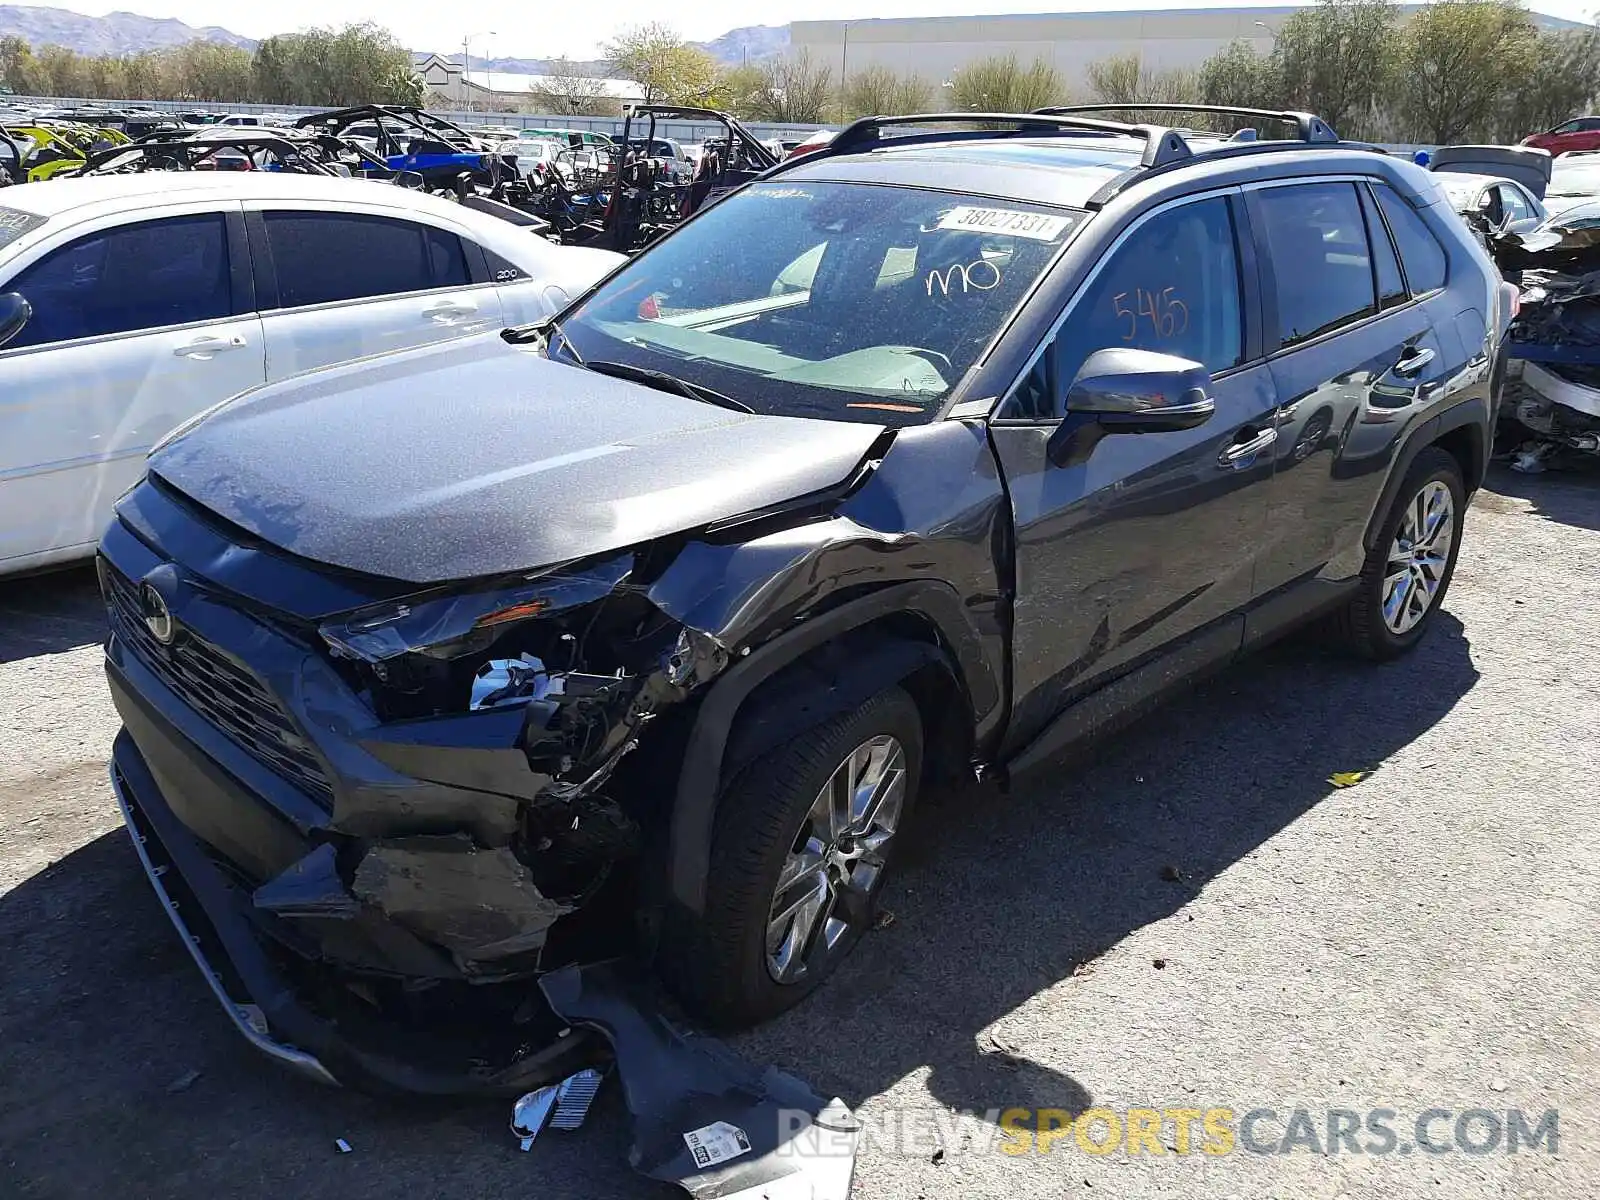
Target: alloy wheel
(836, 859)
(1419, 557)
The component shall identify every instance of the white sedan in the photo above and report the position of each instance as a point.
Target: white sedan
(155, 296)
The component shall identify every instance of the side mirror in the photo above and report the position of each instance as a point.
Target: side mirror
(411, 180)
(1130, 391)
(15, 312)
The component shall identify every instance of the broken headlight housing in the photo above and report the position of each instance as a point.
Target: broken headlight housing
(475, 648)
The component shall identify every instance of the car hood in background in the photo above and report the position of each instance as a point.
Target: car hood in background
(1525, 164)
(477, 458)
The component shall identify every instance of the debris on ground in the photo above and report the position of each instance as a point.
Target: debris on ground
(1171, 874)
(183, 1082)
(1344, 779)
(883, 920)
(342, 1146)
(704, 1118)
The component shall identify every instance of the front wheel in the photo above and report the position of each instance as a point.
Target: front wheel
(803, 839)
(1409, 569)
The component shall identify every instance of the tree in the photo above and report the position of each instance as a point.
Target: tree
(1237, 75)
(1334, 59)
(879, 91)
(16, 65)
(1453, 66)
(1558, 78)
(795, 89)
(569, 92)
(1125, 79)
(358, 64)
(663, 64)
(1000, 84)
(740, 89)
(213, 71)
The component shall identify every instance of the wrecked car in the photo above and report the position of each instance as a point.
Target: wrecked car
(640, 632)
(1554, 409)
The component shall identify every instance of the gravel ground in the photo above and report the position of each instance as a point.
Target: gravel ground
(1191, 918)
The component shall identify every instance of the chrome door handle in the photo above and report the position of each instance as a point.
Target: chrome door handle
(1242, 454)
(1412, 362)
(207, 346)
(441, 312)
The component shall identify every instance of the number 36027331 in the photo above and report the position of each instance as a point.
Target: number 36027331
(1168, 316)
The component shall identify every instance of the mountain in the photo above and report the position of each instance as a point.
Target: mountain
(116, 33)
(737, 47)
(749, 44)
(127, 33)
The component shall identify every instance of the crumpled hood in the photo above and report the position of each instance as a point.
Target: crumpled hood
(477, 458)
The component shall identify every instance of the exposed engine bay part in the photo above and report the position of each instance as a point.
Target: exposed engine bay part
(704, 1118)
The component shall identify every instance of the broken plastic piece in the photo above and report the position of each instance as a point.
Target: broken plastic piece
(530, 1112)
(341, 1145)
(574, 1096)
(704, 1118)
(311, 887)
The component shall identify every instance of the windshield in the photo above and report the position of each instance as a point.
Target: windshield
(841, 301)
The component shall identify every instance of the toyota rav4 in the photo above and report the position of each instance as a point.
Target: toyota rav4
(642, 631)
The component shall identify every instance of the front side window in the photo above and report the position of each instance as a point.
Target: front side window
(832, 300)
(150, 275)
(324, 257)
(1316, 242)
(1172, 287)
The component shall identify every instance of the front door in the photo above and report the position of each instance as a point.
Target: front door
(135, 328)
(1152, 542)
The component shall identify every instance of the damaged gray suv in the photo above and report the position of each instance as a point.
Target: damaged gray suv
(639, 634)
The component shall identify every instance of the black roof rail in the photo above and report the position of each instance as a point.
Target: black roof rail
(1162, 145)
(1308, 126)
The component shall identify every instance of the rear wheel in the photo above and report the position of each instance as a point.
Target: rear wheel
(803, 839)
(1409, 569)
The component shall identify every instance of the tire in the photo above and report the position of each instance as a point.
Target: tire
(718, 963)
(1363, 626)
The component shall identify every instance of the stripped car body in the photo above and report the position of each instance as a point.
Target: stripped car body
(426, 725)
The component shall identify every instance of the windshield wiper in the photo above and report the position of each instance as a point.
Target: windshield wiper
(666, 382)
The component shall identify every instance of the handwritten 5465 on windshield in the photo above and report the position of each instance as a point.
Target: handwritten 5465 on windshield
(1168, 316)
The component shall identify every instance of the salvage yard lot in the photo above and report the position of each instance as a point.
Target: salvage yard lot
(1424, 939)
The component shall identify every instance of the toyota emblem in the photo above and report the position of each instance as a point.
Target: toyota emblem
(157, 616)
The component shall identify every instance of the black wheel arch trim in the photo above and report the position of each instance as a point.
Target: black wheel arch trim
(1470, 414)
(707, 747)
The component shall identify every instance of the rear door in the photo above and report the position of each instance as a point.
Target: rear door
(1353, 355)
(137, 326)
(338, 284)
(1152, 542)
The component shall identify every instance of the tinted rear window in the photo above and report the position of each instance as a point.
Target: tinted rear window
(1420, 252)
(1317, 240)
(324, 257)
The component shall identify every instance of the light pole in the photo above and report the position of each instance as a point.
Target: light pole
(844, 63)
(466, 67)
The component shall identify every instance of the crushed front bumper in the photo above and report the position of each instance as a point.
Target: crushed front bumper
(294, 1013)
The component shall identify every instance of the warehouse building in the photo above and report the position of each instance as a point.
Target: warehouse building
(934, 47)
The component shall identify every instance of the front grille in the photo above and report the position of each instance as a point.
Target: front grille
(228, 696)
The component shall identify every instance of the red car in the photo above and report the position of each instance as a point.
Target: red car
(1580, 133)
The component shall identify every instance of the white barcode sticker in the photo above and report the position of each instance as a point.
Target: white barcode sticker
(716, 1143)
(1041, 227)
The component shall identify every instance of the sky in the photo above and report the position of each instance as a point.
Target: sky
(524, 30)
